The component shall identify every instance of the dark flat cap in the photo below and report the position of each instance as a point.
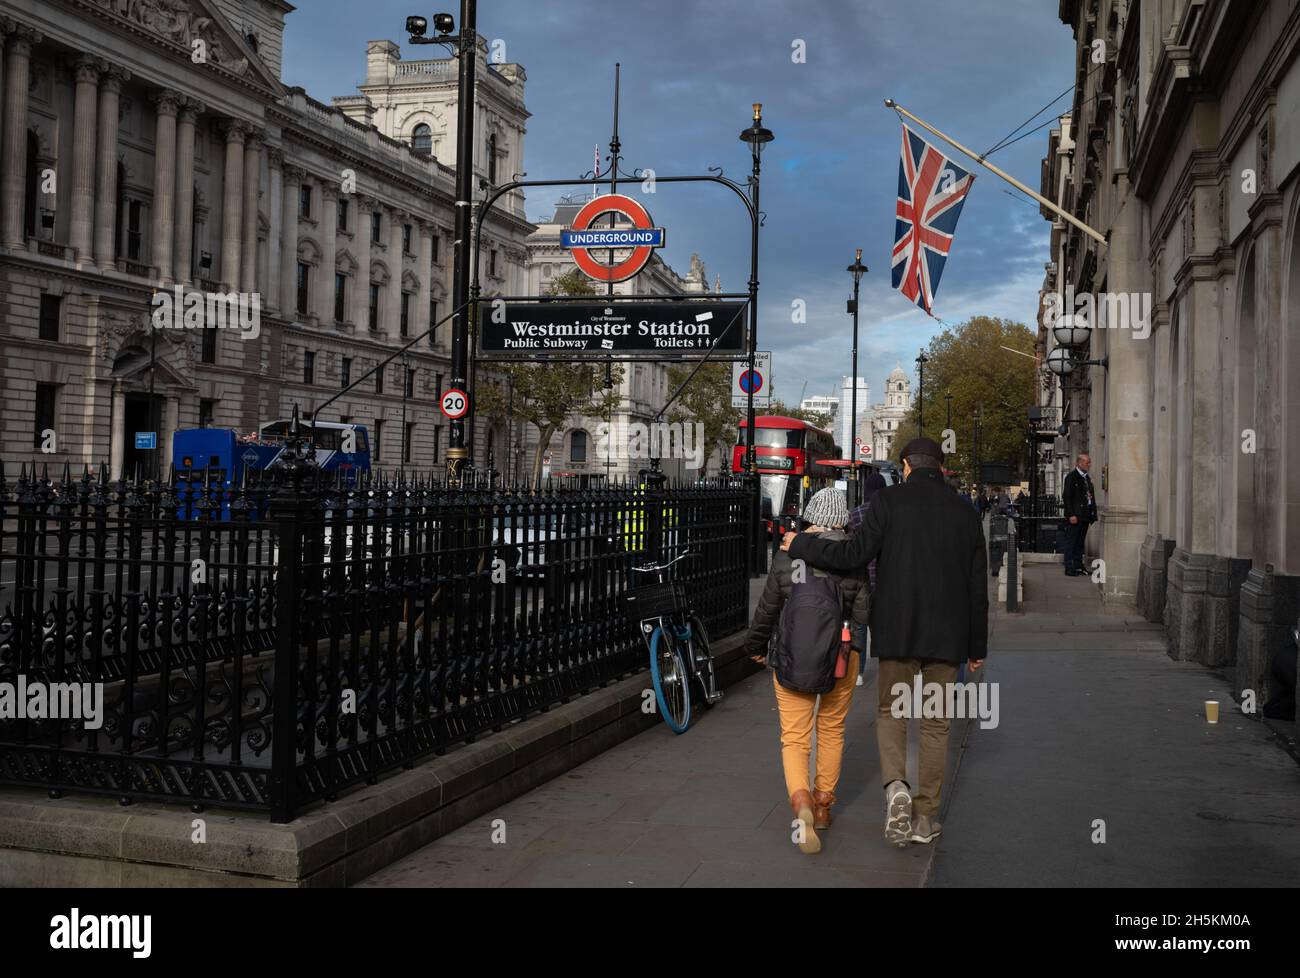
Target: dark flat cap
(922, 446)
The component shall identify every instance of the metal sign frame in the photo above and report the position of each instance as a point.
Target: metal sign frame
(738, 317)
(612, 176)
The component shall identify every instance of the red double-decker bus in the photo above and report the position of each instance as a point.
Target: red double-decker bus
(787, 453)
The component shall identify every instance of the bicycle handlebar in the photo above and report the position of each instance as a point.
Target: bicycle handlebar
(648, 568)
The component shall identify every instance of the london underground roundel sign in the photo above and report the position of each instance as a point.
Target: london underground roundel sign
(582, 239)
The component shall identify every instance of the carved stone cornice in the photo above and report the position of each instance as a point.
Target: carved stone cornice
(178, 22)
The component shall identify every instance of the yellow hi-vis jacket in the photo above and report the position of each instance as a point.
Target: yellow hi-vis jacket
(634, 520)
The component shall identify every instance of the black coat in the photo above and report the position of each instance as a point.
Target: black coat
(1078, 498)
(853, 592)
(931, 599)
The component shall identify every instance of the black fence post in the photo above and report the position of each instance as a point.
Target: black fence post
(294, 474)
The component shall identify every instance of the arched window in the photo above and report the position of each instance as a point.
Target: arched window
(422, 140)
(492, 158)
(578, 447)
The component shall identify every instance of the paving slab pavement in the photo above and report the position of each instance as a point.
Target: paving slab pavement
(1099, 725)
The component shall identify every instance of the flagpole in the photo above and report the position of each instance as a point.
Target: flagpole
(891, 104)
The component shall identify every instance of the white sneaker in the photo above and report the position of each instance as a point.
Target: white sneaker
(898, 817)
(926, 829)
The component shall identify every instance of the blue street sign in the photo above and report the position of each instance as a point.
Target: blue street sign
(612, 238)
(146, 439)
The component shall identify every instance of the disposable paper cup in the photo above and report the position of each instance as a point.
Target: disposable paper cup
(1212, 711)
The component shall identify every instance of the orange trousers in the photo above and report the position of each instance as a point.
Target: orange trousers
(799, 713)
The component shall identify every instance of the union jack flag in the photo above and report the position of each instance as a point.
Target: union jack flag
(931, 191)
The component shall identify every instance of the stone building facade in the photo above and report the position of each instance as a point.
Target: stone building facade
(1183, 147)
(888, 415)
(149, 146)
(579, 450)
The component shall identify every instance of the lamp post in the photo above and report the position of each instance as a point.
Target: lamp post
(857, 270)
(757, 136)
(948, 398)
(465, 46)
(920, 393)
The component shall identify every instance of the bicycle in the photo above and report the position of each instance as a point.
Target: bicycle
(678, 644)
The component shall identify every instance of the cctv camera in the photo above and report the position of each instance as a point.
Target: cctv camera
(416, 26)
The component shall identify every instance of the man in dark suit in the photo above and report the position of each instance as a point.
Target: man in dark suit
(1080, 505)
(929, 614)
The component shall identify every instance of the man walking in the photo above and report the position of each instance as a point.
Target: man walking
(929, 614)
(1081, 512)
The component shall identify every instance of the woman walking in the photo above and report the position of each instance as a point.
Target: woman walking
(804, 630)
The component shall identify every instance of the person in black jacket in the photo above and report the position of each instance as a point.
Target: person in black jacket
(799, 711)
(930, 614)
(1080, 504)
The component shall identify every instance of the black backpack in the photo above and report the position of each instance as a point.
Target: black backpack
(806, 643)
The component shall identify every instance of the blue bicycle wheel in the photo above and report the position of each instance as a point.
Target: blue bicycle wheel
(671, 681)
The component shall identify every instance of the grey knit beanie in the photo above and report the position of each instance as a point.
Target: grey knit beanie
(826, 507)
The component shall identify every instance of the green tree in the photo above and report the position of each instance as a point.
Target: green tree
(546, 394)
(706, 400)
(973, 362)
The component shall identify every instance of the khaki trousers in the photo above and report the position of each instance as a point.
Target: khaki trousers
(799, 711)
(891, 731)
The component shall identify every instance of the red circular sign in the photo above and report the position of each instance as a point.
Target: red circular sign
(633, 263)
(455, 403)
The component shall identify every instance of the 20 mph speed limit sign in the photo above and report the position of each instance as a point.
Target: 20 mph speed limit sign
(455, 404)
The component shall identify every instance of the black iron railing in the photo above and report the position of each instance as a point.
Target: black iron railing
(396, 617)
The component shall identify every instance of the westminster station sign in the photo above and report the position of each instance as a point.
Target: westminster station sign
(568, 330)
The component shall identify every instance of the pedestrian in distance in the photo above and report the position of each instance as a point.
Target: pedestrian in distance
(930, 615)
(1080, 504)
(804, 629)
(872, 485)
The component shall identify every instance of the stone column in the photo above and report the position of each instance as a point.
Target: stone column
(425, 294)
(164, 183)
(252, 187)
(275, 213)
(329, 227)
(232, 203)
(171, 421)
(117, 434)
(1122, 509)
(13, 160)
(82, 197)
(183, 253)
(393, 294)
(359, 304)
(289, 242)
(110, 85)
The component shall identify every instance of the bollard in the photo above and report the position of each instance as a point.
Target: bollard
(1012, 566)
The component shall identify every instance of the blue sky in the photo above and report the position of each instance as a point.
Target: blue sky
(973, 68)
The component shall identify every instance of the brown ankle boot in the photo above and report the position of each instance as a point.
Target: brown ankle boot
(822, 801)
(801, 802)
